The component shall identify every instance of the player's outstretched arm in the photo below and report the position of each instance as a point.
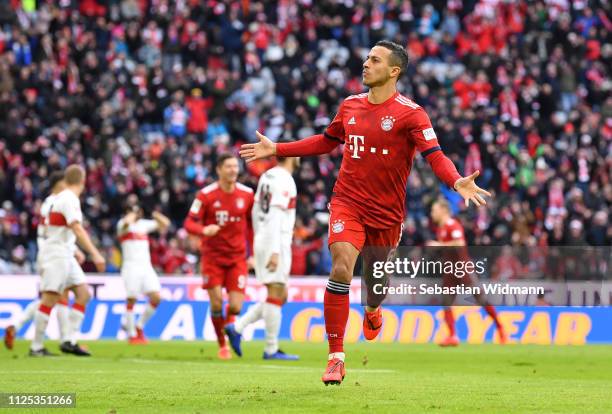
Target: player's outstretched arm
(313, 145)
(466, 186)
(262, 149)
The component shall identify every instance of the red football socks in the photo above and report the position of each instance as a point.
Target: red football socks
(336, 311)
(219, 322)
(450, 321)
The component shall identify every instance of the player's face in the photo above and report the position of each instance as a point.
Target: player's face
(436, 212)
(229, 170)
(377, 69)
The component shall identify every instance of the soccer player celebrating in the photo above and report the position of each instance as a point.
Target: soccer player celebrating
(381, 130)
(136, 268)
(59, 268)
(450, 233)
(273, 222)
(56, 185)
(221, 216)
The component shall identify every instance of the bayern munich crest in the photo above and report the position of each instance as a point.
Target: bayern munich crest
(387, 123)
(240, 203)
(337, 226)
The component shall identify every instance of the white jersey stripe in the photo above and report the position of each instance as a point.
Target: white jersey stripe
(409, 104)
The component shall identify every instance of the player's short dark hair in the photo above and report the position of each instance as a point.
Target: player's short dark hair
(399, 55)
(283, 141)
(224, 157)
(54, 178)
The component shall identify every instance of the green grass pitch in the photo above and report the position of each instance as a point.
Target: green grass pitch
(186, 377)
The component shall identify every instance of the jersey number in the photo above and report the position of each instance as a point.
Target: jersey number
(266, 198)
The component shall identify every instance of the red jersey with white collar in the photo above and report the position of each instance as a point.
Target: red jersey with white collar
(381, 141)
(232, 212)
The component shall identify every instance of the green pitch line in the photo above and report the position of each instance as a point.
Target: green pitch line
(186, 377)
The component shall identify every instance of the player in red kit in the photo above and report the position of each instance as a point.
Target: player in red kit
(450, 233)
(221, 216)
(382, 131)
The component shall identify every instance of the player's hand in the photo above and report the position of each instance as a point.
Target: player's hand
(262, 149)
(79, 256)
(466, 186)
(99, 262)
(272, 263)
(211, 230)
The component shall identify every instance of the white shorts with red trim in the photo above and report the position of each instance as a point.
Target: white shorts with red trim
(60, 273)
(139, 279)
(262, 257)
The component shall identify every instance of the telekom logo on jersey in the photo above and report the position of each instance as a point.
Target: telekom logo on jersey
(222, 217)
(357, 145)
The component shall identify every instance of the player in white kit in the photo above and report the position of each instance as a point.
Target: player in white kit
(136, 268)
(273, 222)
(58, 266)
(56, 185)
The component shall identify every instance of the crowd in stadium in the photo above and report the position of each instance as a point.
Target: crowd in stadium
(145, 94)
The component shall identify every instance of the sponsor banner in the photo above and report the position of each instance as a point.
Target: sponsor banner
(303, 322)
(174, 288)
(312, 289)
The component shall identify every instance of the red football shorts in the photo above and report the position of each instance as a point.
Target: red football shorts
(345, 225)
(232, 277)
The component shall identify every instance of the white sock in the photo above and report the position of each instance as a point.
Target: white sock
(28, 314)
(252, 315)
(149, 311)
(130, 325)
(76, 319)
(339, 355)
(272, 318)
(41, 320)
(63, 321)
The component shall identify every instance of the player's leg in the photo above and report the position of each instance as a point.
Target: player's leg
(41, 320)
(252, 315)
(490, 309)
(380, 246)
(133, 288)
(54, 275)
(277, 296)
(346, 238)
(130, 320)
(235, 285)
(336, 307)
(11, 331)
(78, 284)
(449, 319)
(151, 287)
(62, 312)
(150, 308)
(75, 318)
(215, 295)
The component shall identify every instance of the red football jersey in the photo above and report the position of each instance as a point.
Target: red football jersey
(232, 212)
(450, 231)
(380, 144)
